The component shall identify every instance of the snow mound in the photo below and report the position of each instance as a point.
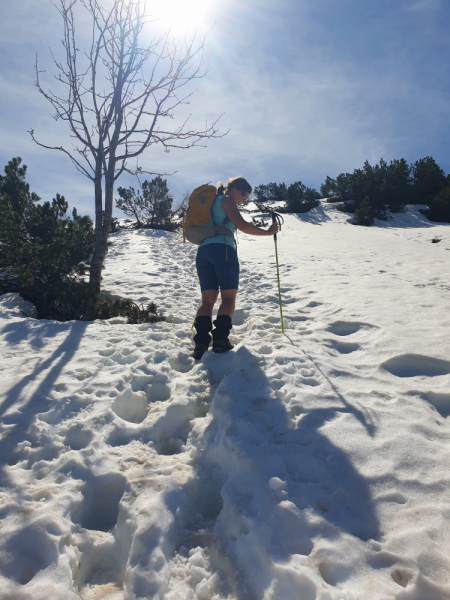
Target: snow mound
(15, 305)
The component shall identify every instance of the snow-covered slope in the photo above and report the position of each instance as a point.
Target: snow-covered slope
(307, 466)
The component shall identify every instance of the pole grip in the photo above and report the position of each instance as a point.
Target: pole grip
(274, 220)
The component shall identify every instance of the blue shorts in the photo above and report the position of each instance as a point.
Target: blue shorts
(217, 267)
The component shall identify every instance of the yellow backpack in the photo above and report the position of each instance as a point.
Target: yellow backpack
(197, 223)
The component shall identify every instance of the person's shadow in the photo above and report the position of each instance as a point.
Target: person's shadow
(268, 480)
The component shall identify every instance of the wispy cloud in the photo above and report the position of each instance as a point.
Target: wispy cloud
(422, 5)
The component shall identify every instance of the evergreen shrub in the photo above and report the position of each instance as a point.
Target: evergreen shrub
(386, 186)
(270, 191)
(151, 207)
(299, 199)
(428, 180)
(44, 254)
(364, 215)
(439, 207)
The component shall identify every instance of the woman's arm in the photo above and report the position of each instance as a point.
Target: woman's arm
(232, 212)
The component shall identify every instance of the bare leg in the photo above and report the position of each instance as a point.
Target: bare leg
(227, 302)
(209, 298)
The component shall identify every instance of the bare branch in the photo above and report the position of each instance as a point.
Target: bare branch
(79, 167)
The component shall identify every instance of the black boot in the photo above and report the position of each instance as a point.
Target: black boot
(203, 325)
(220, 334)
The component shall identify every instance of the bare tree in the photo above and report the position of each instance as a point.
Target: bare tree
(119, 99)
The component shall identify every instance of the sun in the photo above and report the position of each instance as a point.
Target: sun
(179, 15)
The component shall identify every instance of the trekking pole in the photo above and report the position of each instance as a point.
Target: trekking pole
(276, 218)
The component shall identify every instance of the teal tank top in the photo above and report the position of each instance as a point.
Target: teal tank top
(218, 217)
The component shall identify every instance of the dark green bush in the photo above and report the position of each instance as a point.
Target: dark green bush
(428, 180)
(384, 186)
(270, 191)
(152, 208)
(123, 307)
(439, 207)
(328, 189)
(297, 197)
(364, 215)
(44, 255)
(300, 198)
(347, 207)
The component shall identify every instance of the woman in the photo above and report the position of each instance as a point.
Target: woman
(218, 267)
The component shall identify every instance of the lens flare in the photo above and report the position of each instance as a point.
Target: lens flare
(179, 15)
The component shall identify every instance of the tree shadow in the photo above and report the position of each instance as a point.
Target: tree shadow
(24, 416)
(35, 332)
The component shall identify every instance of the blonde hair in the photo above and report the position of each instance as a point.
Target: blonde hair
(234, 182)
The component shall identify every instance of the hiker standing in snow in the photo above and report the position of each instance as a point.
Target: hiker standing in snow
(217, 263)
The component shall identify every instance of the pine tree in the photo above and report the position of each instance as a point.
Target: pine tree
(270, 191)
(364, 215)
(153, 205)
(43, 253)
(295, 196)
(439, 207)
(131, 203)
(428, 180)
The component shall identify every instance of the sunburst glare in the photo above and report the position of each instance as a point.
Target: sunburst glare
(180, 15)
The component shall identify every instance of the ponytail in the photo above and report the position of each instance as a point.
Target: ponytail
(220, 189)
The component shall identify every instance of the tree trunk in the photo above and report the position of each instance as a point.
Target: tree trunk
(101, 244)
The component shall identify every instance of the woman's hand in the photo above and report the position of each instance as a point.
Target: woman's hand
(273, 229)
(232, 212)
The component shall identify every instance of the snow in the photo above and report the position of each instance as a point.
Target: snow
(308, 466)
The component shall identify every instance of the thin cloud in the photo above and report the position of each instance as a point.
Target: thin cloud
(423, 5)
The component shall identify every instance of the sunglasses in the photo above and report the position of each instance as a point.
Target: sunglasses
(245, 196)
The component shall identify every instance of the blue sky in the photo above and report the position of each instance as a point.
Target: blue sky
(307, 88)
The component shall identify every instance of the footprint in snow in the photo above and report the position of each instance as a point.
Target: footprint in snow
(100, 506)
(22, 560)
(107, 352)
(395, 497)
(182, 363)
(82, 374)
(158, 390)
(78, 438)
(124, 357)
(131, 406)
(440, 401)
(343, 347)
(298, 318)
(401, 576)
(343, 328)
(334, 573)
(310, 381)
(415, 365)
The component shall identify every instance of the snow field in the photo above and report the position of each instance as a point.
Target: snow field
(312, 465)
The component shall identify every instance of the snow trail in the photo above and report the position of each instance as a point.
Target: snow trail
(310, 465)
